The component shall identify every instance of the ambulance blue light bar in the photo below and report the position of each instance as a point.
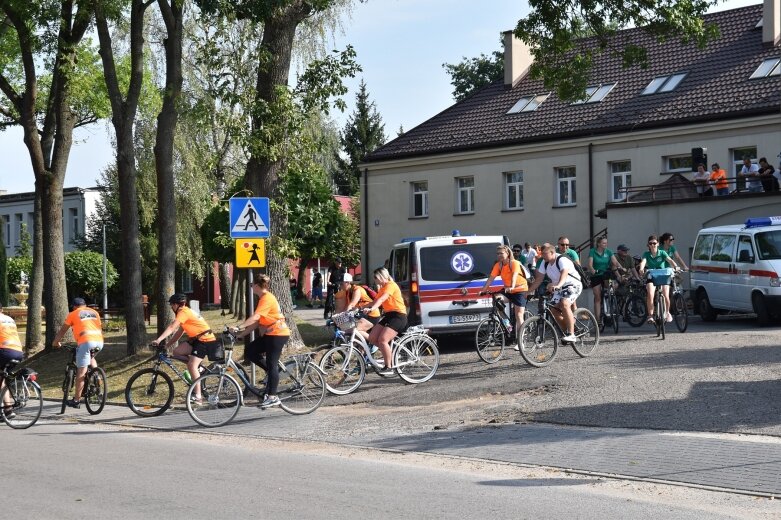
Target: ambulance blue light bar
(763, 221)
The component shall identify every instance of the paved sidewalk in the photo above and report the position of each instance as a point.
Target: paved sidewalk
(740, 463)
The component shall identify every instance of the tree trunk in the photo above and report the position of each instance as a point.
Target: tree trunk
(235, 290)
(225, 286)
(164, 161)
(263, 173)
(55, 296)
(34, 335)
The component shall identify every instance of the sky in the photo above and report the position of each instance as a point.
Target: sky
(401, 46)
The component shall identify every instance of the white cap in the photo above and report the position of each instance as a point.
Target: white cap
(347, 277)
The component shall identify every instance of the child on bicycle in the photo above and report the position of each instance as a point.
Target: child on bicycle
(88, 333)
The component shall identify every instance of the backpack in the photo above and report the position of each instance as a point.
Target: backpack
(371, 292)
(585, 278)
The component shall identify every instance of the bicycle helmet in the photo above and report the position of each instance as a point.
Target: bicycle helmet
(78, 302)
(178, 298)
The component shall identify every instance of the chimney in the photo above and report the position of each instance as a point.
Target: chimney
(518, 58)
(771, 23)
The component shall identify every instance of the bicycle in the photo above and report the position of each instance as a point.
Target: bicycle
(94, 393)
(609, 306)
(494, 331)
(343, 375)
(415, 358)
(329, 306)
(678, 303)
(150, 391)
(660, 278)
(301, 387)
(24, 394)
(539, 336)
(632, 303)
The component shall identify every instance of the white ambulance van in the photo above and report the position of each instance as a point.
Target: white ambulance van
(440, 278)
(736, 268)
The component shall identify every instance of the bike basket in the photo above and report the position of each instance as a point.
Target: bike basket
(660, 276)
(344, 320)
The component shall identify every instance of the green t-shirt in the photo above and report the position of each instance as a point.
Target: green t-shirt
(573, 255)
(601, 262)
(656, 262)
(670, 252)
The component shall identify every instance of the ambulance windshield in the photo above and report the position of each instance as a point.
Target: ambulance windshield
(769, 245)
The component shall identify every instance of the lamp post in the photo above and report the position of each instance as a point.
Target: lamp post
(105, 282)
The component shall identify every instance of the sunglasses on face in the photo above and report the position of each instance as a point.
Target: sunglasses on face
(653, 243)
(564, 245)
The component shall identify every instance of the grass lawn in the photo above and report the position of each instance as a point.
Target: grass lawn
(119, 366)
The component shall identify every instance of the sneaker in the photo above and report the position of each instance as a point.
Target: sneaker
(650, 321)
(374, 349)
(9, 413)
(269, 402)
(387, 372)
(516, 348)
(73, 403)
(571, 338)
(668, 318)
(196, 400)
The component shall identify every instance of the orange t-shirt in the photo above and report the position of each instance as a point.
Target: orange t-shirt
(394, 303)
(364, 300)
(507, 271)
(85, 323)
(720, 178)
(269, 315)
(194, 324)
(9, 336)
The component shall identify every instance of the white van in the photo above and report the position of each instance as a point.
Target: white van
(440, 278)
(736, 268)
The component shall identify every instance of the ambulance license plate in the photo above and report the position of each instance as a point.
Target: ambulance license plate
(464, 318)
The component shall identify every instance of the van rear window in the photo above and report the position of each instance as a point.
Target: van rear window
(769, 245)
(457, 262)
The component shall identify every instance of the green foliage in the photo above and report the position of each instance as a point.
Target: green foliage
(25, 245)
(84, 274)
(17, 264)
(215, 234)
(363, 133)
(472, 74)
(554, 28)
(3, 270)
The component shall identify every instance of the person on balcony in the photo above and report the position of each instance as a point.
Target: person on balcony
(700, 180)
(750, 172)
(767, 174)
(718, 178)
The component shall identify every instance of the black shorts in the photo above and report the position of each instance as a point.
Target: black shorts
(597, 279)
(8, 354)
(373, 320)
(394, 320)
(213, 349)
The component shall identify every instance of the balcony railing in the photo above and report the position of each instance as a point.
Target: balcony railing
(679, 189)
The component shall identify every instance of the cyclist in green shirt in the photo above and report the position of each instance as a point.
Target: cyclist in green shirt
(666, 245)
(601, 263)
(655, 258)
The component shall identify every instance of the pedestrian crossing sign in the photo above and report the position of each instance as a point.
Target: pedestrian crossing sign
(249, 217)
(251, 252)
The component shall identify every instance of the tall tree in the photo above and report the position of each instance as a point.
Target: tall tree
(363, 133)
(3, 270)
(41, 35)
(471, 74)
(124, 108)
(563, 61)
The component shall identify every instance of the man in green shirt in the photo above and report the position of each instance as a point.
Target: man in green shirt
(564, 249)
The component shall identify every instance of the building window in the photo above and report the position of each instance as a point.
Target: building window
(596, 93)
(528, 104)
(420, 199)
(7, 229)
(664, 84)
(513, 190)
(621, 178)
(465, 195)
(737, 163)
(769, 67)
(187, 282)
(678, 163)
(565, 186)
(73, 223)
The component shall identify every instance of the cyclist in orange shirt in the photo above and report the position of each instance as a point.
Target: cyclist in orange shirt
(357, 297)
(201, 343)
(718, 177)
(515, 284)
(273, 334)
(394, 320)
(10, 349)
(88, 333)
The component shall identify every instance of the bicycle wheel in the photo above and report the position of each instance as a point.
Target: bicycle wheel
(416, 358)
(538, 341)
(27, 403)
(301, 387)
(95, 390)
(489, 340)
(612, 302)
(149, 392)
(587, 332)
(221, 399)
(659, 314)
(680, 312)
(344, 369)
(635, 311)
(67, 384)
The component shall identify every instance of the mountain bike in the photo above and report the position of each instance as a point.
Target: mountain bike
(301, 387)
(539, 336)
(94, 393)
(329, 306)
(660, 278)
(494, 331)
(21, 396)
(610, 308)
(678, 303)
(150, 391)
(632, 303)
(415, 359)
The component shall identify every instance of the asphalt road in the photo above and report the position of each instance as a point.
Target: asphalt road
(59, 470)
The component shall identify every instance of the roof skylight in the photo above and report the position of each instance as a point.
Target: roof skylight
(769, 67)
(528, 104)
(664, 83)
(596, 93)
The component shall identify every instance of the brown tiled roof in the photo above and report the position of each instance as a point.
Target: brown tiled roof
(717, 87)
